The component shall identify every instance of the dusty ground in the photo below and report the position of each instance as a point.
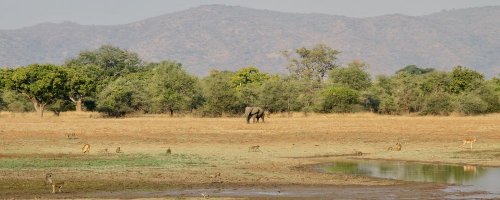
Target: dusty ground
(203, 147)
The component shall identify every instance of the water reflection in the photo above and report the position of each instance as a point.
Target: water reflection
(409, 171)
(476, 177)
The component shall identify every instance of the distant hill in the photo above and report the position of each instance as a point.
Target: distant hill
(230, 37)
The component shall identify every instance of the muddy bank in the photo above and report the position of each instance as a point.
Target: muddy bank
(404, 191)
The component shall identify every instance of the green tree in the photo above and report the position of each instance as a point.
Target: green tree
(247, 82)
(339, 99)
(380, 97)
(5, 75)
(437, 103)
(122, 96)
(464, 79)
(353, 76)
(15, 102)
(312, 64)
(487, 92)
(407, 93)
(60, 105)
(280, 94)
(388, 105)
(220, 95)
(414, 70)
(171, 88)
(495, 83)
(82, 83)
(435, 82)
(248, 75)
(471, 104)
(41, 84)
(113, 61)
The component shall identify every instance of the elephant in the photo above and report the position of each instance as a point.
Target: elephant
(254, 112)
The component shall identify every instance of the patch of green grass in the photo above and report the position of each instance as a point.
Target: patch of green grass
(104, 162)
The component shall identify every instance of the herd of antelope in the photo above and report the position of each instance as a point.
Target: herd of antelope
(57, 186)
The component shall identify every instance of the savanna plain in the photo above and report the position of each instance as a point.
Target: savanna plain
(214, 154)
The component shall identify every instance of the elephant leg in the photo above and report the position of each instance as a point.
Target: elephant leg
(251, 116)
(248, 118)
(260, 115)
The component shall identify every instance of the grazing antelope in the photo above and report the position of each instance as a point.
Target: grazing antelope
(206, 196)
(469, 140)
(58, 185)
(214, 175)
(254, 149)
(169, 151)
(357, 153)
(86, 148)
(397, 147)
(71, 136)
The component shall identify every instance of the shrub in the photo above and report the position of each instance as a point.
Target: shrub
(14, 102)
(339, 99)
(437, 104)
(121, 97)
(471, 104)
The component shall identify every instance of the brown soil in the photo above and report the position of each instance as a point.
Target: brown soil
(288, 146)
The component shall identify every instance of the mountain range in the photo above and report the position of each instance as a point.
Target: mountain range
(230, 37)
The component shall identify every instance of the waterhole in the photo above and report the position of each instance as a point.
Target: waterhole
(462, 178)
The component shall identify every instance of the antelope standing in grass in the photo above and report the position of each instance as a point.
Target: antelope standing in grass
(59, 185)
(470, 141)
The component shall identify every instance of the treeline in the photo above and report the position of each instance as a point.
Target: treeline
(117, 82)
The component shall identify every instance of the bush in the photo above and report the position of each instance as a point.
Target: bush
(339, 99)
(437, 104)
(14, 102)
(488, 94)
(471, 104)
(387, 105)
(121, 97)
(61, 106)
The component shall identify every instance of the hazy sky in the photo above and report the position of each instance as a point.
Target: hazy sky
(22, 13)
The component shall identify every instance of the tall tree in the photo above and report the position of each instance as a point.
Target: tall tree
(5, 75)
(220, 95)
(123, 95)
(113, 61)
(247, 82)
(312, 64)
(248, 75)
(338, 99)
(464, 79)
(435, 81)
(83, 82)
(280, 94)
(414, 70)
(353, 76)
(15, 102)
(41, 84)
(406, 92)
(171, 88)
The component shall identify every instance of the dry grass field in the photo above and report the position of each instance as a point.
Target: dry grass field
(204, 147)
